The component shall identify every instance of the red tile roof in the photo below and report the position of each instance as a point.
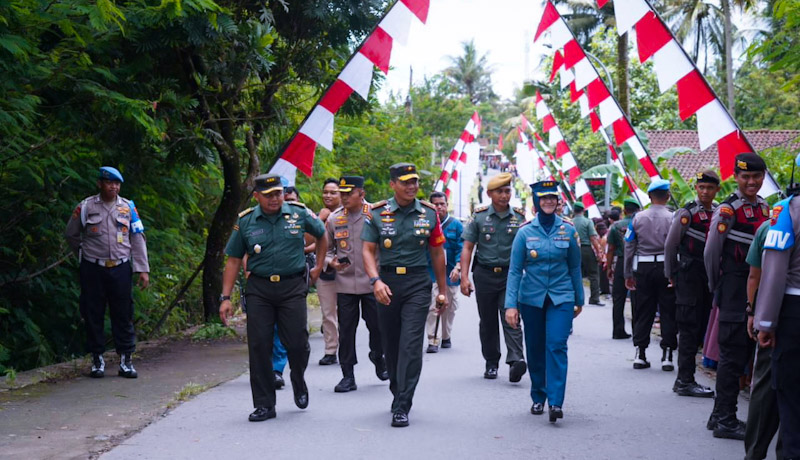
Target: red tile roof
(689, 164)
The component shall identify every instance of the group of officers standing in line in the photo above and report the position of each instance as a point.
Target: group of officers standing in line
(391, 252)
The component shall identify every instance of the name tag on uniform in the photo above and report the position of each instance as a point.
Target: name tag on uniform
(119, 237)
(422, 223)
(256, 232)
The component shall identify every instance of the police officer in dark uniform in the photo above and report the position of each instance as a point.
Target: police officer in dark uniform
(644, 273)
(777, 316)
(683, 265)
(733, 225)
(399, 233)
(272, 236)
(108, 236)
(492, 230)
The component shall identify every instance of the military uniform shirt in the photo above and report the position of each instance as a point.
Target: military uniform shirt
(616, 234)
(646, 234)
(493, 234)
(585, 229)
(780, 264)
(403, 234)
(344, 240)
(274, 242)
(115, 234)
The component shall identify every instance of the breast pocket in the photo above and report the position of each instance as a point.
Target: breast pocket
(560, 248)
(94, 225)
(259, 239)
(534, 248)
(488, 232)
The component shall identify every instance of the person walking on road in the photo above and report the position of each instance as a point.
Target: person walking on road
(644, 273)
(492, 230)
(452, 229)
(777, 316)
(733, 225)
(615, 267)
(400, 232)
(272, 236)
(545, 288)
(326, 284)
(683, 265)
(106, 233)
(345, 256)
(590, 248)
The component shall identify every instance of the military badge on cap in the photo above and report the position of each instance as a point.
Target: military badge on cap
(268, 183)
(109, 173)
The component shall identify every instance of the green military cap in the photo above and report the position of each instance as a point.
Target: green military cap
(578, 206)
(268, 183)
(631, 201)
(403, 171)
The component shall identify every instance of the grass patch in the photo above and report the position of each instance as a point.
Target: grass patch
(213, 331)
(189, 391)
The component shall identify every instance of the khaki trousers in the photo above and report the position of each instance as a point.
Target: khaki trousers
(326, 290)
(447, 317)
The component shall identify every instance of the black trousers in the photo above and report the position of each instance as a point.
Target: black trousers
(619, 294)
(762, 415)
(490, 294)
(733, 353)
(101, 286)
(282, 303)
(590, 270)
(692, 309)
(348, 324)
(653, 294)
(786, 374)
(402, 325)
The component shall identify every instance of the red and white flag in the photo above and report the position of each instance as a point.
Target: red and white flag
(450, 169)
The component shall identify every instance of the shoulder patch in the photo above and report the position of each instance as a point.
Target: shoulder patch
(379, 204)
(520, 211)
(428, 204)
(780, 236)
(726, 211)
(246, 212)
(480, 209)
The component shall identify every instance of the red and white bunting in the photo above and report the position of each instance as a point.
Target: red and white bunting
(449, 171)
(356, 76)
(568, 161)
(673, 67)
(640, 195)
(545, 173)
(592, 94)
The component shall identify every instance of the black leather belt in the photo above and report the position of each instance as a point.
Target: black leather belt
(279, 278)
(496, 269)
(403, 270)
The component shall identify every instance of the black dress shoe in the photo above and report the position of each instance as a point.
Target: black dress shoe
(262, 413)
(399, 419)
(621, 336)
(432, 348)
(730, 429)
(301, 396)
(327, 360)
(516, 371)
(446, 343)
(490, 373)
(537, 409)
(380, 367)
(692, 389)
(555, 413)
(345, 385)
(279, 382)
(597, 303)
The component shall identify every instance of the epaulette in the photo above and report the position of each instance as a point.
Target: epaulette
(298, 204)
(246, 212)
(379, 204)
(520, 211)
(428, 204)
(480, 209)
(568, 220)
(690, 205)
(366, 209)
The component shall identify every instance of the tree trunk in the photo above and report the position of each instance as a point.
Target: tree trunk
(623, 91)
(220, 230)
(726, 11)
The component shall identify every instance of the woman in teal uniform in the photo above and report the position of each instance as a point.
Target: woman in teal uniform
(545, 288)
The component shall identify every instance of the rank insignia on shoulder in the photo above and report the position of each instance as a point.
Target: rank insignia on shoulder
(427, 204)
(520, 211)
(480, 209)
(366, 209)
(246, 212)
(726, 211)
(379, 204)
(298, 204)
(235, 228)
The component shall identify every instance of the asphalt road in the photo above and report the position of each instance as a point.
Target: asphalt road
(611, 411)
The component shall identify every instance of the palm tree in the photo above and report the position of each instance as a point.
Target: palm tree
(471, 74)
(585, 20)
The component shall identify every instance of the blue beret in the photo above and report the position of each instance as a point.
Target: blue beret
(109, 173)
(658, 184)
(544, 188)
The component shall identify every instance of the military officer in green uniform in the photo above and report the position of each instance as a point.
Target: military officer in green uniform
(590, 249)
(492, 230)
(399, 232)
(271, 234)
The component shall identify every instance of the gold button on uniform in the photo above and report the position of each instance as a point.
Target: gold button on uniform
(387, 243)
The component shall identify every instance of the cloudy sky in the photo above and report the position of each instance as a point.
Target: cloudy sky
(501, 28)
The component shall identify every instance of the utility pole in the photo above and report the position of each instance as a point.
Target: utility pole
(409, 102)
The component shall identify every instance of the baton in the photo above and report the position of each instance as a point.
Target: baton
(440, 299)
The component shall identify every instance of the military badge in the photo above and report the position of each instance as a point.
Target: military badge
(257, 249)
(387, 243)
(748, 211)
(684, 220)
(722, 228)
(534, 254)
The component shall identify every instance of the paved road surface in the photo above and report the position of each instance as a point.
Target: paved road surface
(611, 411)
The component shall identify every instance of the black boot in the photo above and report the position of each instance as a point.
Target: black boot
(348, 382)
(126, 367)
(640, 360)
(98, 366)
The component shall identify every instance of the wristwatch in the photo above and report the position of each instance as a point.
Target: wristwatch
(223, 298)
(373, 280)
